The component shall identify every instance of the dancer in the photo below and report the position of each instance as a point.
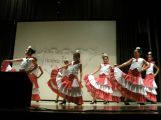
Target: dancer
(69, 86)
(149, 80)
(34, 75)
(102, 88)
(57, 74)
(26, 62)
(131, 85)
(29, 65)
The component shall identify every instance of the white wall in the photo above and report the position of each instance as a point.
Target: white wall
(57, 40)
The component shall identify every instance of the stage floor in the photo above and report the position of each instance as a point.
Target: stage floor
(49, 110)
(99, 108)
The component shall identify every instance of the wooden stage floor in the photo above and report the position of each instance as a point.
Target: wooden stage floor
(111, 107)
(49, 110)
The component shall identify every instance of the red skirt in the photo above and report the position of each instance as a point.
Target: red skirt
(33, 79)
(130, 85)
(148, 81)
(52, 82)
(98, 90)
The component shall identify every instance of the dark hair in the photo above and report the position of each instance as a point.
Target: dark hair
(104, 55)
(77, 55)
(34, 58)
(139, 50)
(31, 51)
(149, 53)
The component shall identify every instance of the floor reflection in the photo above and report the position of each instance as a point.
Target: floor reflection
(50, 106)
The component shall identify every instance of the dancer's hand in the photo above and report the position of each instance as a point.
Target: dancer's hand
(155, 75)
(115, 65)
(142, 70)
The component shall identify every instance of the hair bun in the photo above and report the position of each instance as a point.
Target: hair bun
(138, 48)
(77, 51)
(29, 46)
(149, 53)
(104, 55)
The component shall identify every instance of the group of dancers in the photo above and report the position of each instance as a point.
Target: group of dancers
(111, 85)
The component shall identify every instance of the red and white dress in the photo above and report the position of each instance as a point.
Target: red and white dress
(102, 88)
(150, 84)
(26, 65)
(35, 88)
(68, 85)
(54, 77)
(131, 85)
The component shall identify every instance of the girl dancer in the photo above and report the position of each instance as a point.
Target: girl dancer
(102, 88)
(26, 62)
(29, 65)
(149, 80)
(69, 86)
(34, 75)
(57, 74)
(131, 85)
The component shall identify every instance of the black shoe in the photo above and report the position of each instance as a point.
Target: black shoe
(63, 102)
(153, 102)
(56, 101)
(37, 101)
(142, 103)
(105, 102)
(78, 104)
(93, 102)
(126, 103)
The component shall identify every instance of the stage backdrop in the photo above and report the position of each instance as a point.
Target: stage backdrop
(55, 41)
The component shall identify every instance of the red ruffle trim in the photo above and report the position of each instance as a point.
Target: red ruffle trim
(52, 82)
(127, 93)
(151, 97)
(148, 81)
(4, 65)
(35, 97)
(132, 76)
(67, 82)
(54, 73)
(98, 93)
(55, 88)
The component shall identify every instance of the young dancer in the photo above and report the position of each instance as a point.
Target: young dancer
(131, 85)
(69, 86)
(29, 65)
(149, 80)
(57, 74)
(34, 75)
(27, 61)
(102, 88)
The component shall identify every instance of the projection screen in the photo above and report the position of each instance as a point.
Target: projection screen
(56, 40)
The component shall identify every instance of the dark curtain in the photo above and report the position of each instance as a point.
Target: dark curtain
(144, 32)
(7, 39)
(138, 22)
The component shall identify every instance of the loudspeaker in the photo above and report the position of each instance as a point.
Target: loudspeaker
(15, 90)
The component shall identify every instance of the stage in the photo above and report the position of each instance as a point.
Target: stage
(111, 107)
(45, 110)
